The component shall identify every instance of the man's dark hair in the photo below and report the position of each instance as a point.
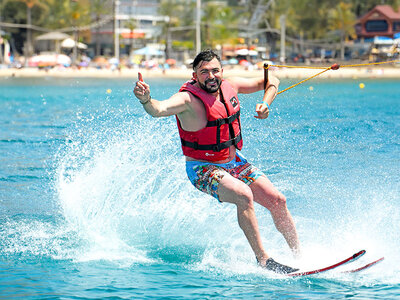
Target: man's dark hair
(206, 55)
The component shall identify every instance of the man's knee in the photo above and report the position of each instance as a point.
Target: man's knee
(278, 202)
(244, 198)
(281, 199)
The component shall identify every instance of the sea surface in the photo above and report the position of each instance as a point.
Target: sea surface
(95, 203)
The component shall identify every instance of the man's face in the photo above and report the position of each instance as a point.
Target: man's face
(209, 75)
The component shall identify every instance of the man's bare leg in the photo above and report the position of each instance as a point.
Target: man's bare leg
(235, 191)
(284, 224)
(268, 196)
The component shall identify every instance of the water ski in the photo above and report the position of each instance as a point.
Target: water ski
(350, 259)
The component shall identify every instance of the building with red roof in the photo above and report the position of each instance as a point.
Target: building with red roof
(382, 20)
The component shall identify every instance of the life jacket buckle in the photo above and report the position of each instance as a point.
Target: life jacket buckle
(216, 148)
(219, 122)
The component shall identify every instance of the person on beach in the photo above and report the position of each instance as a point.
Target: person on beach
(207, 110)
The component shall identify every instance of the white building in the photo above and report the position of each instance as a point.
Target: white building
(138, 23)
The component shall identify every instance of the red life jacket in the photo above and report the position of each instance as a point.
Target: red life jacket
(223, 127)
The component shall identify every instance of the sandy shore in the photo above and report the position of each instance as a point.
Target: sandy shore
(354, 72)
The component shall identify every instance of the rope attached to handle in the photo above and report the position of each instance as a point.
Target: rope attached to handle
(332, 67)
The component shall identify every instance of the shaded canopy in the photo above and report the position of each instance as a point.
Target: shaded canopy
(54, 35)
(148, 51)
(70, 43)
(382, 40)
(245, 52)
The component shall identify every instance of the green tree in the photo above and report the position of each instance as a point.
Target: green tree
(174, 10)
(220, 24)
(342, 20)
(361, 7)
(69, 13)
(41, 6)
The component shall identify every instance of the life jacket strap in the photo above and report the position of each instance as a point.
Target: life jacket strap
(223, 121)
(213, 147)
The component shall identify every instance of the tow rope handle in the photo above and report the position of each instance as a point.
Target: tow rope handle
(266, 66)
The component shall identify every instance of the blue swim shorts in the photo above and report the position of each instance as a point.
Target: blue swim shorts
(207, 176)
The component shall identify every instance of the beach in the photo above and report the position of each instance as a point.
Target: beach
(379, 71)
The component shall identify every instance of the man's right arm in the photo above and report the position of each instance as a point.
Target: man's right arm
(177, 104)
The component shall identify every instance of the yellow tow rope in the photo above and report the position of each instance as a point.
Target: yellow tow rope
(332, 67)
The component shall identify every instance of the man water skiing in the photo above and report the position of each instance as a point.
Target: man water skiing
(207, 110)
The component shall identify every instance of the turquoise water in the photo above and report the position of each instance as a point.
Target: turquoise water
(94, 201)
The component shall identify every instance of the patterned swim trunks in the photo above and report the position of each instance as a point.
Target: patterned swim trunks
(207, 176)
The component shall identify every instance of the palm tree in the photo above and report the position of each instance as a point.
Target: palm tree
(30, 4)
(220, 24)
(343, 19)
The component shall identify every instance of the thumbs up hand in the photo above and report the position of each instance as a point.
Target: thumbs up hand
(142, 90)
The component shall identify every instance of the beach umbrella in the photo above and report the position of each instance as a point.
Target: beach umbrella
(70, 43)
(253, 53)
(242, 52)
(49, 60)
(171, 61)
(148, 51)
(244, 63)
(101, 61)
(245, 52)
(63, 60)
(53, 36)
(113, 61)
(233, 61)
(397, 38)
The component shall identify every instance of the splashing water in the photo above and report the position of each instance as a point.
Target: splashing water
(127, 188)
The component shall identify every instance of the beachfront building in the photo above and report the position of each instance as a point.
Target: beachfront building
(137, 23)
(382, 20)
(377, 31)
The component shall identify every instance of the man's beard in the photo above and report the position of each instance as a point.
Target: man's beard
(211, 89)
